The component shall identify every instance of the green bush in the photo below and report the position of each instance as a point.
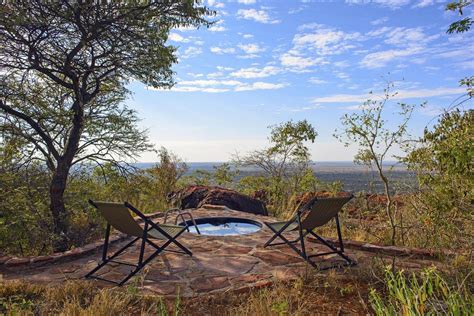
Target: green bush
(426, 294)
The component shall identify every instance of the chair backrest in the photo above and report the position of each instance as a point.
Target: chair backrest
(322, 211)
(119, 217)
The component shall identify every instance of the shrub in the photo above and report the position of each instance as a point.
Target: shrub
(426, 294)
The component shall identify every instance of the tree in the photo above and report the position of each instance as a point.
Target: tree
(88, 51)
(462, 26)
(224, 175)
(443, 159)
(375, 138)
(287, 159)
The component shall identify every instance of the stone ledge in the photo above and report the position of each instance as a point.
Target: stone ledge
(22, 262)
(390, 250)
(11, 262)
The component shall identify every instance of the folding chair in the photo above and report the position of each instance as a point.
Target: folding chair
(316, 213)
(118, 216)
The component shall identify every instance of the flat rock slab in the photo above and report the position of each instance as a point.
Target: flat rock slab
(228, 263)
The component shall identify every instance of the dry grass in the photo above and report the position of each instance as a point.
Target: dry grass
(333, 293)
(78, 298)
(329, 294)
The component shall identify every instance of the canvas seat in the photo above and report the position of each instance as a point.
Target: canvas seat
(119, 217)
(316, 213)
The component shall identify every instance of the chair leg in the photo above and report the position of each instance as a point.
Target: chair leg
(303, 253)
(174, 241)
(340, 252)
(339, 235)
(300, 230)
(107, 260)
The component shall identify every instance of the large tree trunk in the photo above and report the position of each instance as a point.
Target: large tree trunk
(59, 180)
(57, 207)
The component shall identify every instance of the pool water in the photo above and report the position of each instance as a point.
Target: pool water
(223, 226)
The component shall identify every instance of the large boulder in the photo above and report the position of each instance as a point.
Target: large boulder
(196, 196)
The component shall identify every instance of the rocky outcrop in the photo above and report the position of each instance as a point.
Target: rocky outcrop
(197, 196)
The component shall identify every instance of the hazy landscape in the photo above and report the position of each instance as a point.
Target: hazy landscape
(354, 177)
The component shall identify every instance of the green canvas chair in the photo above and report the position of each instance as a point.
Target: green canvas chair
(315, 213)
(118, 216)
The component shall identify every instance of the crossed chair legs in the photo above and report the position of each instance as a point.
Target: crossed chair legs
(141, 261)
(302, 252)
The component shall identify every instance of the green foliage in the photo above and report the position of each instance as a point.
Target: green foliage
(24, 224)
(376, 137)
(288, 139)
(469, 83)
(443, 162)
(464, 24)
(427, 294)
(224, 175)
(24, 213)
(284, 164)
(65, 67)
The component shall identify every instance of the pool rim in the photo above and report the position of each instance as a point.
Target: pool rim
(236, 219)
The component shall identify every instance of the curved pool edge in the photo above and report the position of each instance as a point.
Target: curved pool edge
(221, 220)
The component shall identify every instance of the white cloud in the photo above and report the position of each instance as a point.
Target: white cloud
(261, 16)
(261, 86)
(297, 10)
(222, 50)
(251, 48)
(248, 56)
(341, 75)
(247, 36)
(214, 3)
(380, 31)
(315, 80)
(208, 83)
(197, 89)
(218, 27)
(224, 68)
(298, 63)
(306, 108)
(317, 39)
(380, 59)
(341, 64)
(392, 4)
(324, 40)
(254, 72)
(220, 86)
(191, 51)
(431, 110)
(246, 1)
(402, 94)
(175, 37)
(195, 75)
(408, 42)
(401, 36)
(379, 21)
(423, 3)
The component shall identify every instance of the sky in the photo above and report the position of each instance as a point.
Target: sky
(267, 62)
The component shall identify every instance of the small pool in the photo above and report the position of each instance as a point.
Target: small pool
(223, 226)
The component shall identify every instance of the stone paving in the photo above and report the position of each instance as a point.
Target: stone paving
(218, 264)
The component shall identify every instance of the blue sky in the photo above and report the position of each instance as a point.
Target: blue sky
(266, 62)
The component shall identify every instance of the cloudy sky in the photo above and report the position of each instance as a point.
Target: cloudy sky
(266, 62)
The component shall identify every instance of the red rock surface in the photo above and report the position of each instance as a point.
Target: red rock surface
(197, 196)
(219, 264)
